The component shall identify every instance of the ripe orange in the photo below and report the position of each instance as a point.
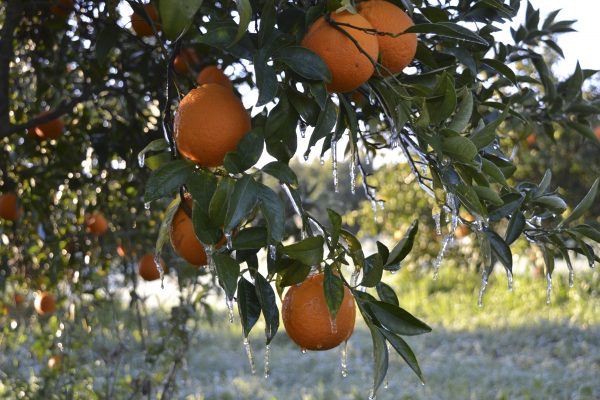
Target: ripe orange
(531, 139)
(54, 361)
(96, 224)
(8, 206)
(395, 52)
(186, 61)
(121, 251)
(19, 299)
(147, 268)
(348, 66)
(210, 122)
(597, 132)
(50, 130)
(139, 24)
(213, 74)
(184, 240)
(44, 303)
(62, 8)
(462, 231)
(307, 320)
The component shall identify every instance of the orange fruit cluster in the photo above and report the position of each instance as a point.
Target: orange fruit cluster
(350, 48)
(307, 320)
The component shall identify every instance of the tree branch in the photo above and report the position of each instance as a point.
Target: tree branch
(11, 20)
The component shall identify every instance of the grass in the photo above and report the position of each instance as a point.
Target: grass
(515, 347)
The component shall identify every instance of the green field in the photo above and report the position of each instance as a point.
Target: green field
(515, 347)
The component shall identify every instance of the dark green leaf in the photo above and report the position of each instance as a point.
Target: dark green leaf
(397, 319)
(202, 186)
(487, 134)
(206, 231)
(372, 271)
(459, 148)
(386, 294)
(515, 227)
(268, 304)
(461, 119)
(295, 274)
(309, 251)
(165, 226)
(242, 202)
(334, 291)
(245, 12)
(250, 238)
(404, 246)
(273, 211)
(248, 305)
(588, 231)
(354, 248)
(325, 124)
(108, 38)
(282, 172)
(167, 179)
(220, 200)
(583, 206)
(266, 78)
(304, 62)
(501, 68)
(336, 226)
(405, 352)
(500, 249)
(176, 16)
(228, 271)
(247, 153)
(450, 30)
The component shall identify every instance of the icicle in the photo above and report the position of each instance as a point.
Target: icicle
(367, 158)
(372, 395)
(438, 224)
(229, 303)
(303, 130)
(333, 325)
(484, 283)
(305, 157)
(353, 173)
(454, 212)
(208, 249)
(272, 251)
(374, 207)
(334, 163)
(381, 204)
(322, 160)
(354, 277)
(147, 206)
(303, 351)
(438, 260)
(160, 270)
(548, 288)
(267, 362)
(386, 383)
(250, 355)
(141, 159)
(228, 239)
(571, 277)
(344, 359)
(509, 276)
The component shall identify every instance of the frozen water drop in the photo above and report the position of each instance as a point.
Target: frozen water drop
(353, 174)
(367, 158)
(372, 395)
(334, 164)
(484, 283)
(438, 224)
(208, 249)
(303, 351)
(250, 356)
(322, 161)
(267, 371)
(141, 159)
(571, 278)
(306, 157)
(355, 275)
(548, 288)
(374, 208)
(509, 276)
(440, 257)
(229, 304)
(344, 359)
(228, 239)
(381, 204)
(272, 251)
(161, 272)
(147, 206)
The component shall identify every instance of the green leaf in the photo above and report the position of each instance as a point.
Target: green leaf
(443, 104)
(588, 231)
(487, 134)
(501, 68)
(354, 248)
(273, 211)
(336, 226)
(268, 304)
(383, 251)
(308, 251)
(304, 62)
(448, 29)
(461, 118)
(552, 202)
(167, 179)
(373, 270)
(515, 227)
(295, 274)
(250, 238)
(268, 18)
(380, 358)
(245, 12)
(325, 124)
(247, 152)
(396, 319)
(202, 186)
(583, 206)
(219, 202)
(459, 148)
(404, 246)
(544, 184)
(176, 16)
(266, 78)
(155, 145)
(241, 203)
(108, 38)
(500, 249)
(206, 231)
(387, 294)
(165, 226)
(493, 171)
(248, 305)
(228, 271)
(405, 352)
(488, 194)
(584, 130)
(334, 291)
(282, 172)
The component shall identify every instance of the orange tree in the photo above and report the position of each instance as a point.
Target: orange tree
(82, 92)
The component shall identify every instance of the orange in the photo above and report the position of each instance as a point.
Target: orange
(213, 74)
(186, 61)
(141, 26)
(307, 320)
(121, 251)
(54, 361)
(349, 67)
(44, 303)
(597, 132)
(210, 122)
(531, 139)
(8, 206)
(147, 268)
(395, 52)
(62, 8)
(184, 239)
(50, 130)
(19, 299)
(96, 224)
(461, 231)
